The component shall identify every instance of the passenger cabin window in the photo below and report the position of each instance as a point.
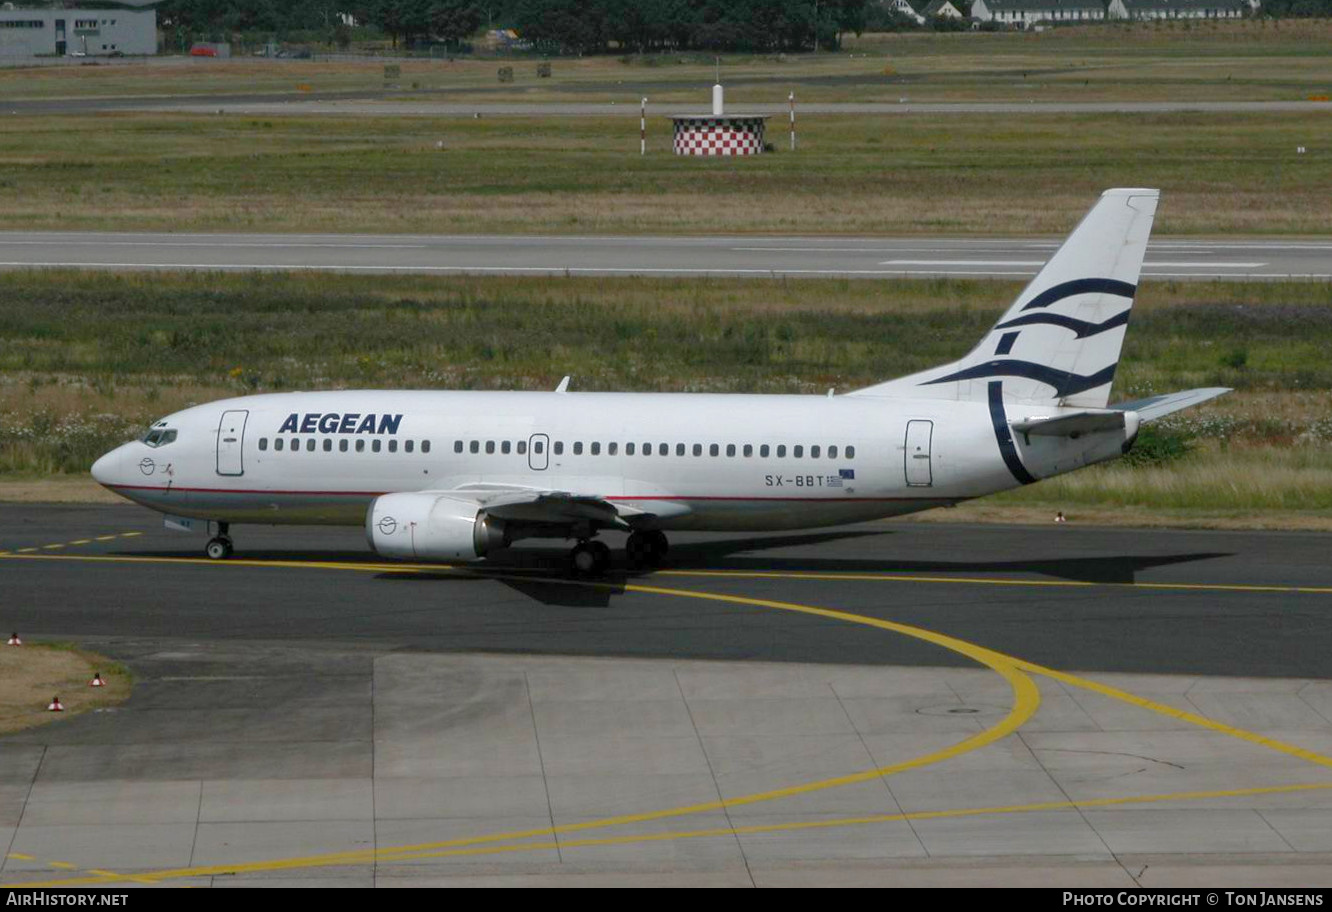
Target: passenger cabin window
(409, 446)
(559, 448)
(596, 448)
(342, 445)
(296, 445)
(850, 452)
(360, 446)
(393, 446)
(425, 446)
(522, 447)
(538, 447)
(679, 449)
(832, 452)
(781, 451)
(457, 446)
(328, 444)
(730, 449)
(490, 447)
(504, 447)
(310, 445)
(263, 443)
(797, 451)
(713, 450)
(277, 444)
(628, 449)
(698, 449)
(376, 445)
(814, 452)
(663, 449)
(578, 448)
(749, 449)
(474, 446)
(763, 451)
(611, 448)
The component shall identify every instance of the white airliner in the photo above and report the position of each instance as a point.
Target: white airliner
(457, 475)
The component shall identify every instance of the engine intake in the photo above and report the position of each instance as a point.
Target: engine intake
(431, 527)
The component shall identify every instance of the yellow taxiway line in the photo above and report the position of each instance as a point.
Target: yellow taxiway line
(1026, 700)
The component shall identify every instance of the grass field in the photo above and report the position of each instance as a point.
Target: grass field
(87, 360)
(979, 174)
(31, 674)
(1260, 60)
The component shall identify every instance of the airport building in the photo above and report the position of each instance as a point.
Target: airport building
(77, 32)
(1023, 14)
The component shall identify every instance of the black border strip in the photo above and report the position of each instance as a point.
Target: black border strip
(1004, 436)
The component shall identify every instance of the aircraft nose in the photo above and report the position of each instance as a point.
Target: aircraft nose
(104, 468)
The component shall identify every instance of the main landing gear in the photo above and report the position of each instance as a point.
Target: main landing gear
(642, 550)
(646, 549)
(590, 558)
(219, 548)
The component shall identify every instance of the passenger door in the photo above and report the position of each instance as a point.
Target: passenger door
(538, 452)
(918, 469)
(230, 442)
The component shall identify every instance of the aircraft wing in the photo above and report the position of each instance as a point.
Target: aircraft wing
(1154, 407)
(534, 505)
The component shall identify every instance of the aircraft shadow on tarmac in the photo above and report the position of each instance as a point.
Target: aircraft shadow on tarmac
(548, 567)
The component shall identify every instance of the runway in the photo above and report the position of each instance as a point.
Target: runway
(398, 102)
(865, 258)
(885, 703)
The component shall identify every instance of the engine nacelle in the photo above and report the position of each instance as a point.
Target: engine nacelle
(431, 527)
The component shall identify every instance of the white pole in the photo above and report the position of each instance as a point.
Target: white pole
(642, 128)
(792, 100)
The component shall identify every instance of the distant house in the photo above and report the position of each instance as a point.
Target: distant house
(1179, 9)
(1025, 13)
(903, 8)
(942, 9)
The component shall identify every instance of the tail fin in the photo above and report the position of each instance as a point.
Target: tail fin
(1059, 343)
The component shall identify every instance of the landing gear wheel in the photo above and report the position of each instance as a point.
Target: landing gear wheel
(646, 549)
(218, 548)
(590, 558)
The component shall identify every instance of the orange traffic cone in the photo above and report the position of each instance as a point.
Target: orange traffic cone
(56, 706)
(14, 640)
(97, 680)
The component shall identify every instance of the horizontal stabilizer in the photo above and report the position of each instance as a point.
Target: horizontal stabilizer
(1154, 407)
(1072, 425)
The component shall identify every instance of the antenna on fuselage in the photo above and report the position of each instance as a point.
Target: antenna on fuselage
(563, 387)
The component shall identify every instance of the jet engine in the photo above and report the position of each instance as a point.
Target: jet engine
(431, 527)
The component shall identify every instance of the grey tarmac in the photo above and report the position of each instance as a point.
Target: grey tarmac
(306, 698)
(745, 256)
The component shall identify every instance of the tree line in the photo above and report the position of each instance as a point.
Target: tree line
(551, 26)
(579, 26)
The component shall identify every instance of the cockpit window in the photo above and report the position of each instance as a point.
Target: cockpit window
(159, 437)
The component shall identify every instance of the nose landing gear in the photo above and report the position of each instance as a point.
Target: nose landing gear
(219, 547)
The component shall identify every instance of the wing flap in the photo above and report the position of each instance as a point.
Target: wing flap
(515, 503)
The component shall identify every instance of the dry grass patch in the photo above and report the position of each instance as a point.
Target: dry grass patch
(30, 675)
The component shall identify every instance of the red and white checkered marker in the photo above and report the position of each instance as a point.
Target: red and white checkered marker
(97, 680)
(56, 706)
(14, 640)
(719, 135)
